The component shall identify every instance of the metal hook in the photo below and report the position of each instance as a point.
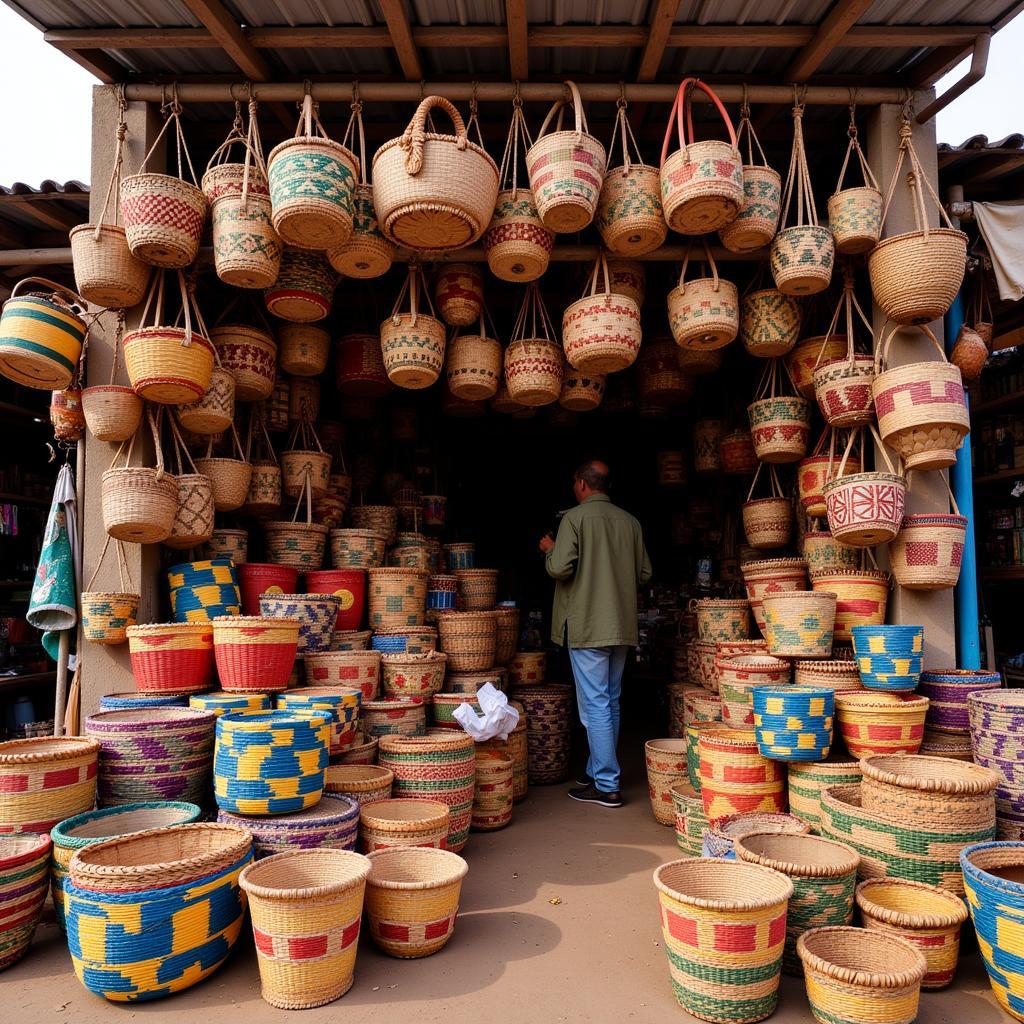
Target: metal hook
(621, 103)
(517, 100)
(175, 102)
(356, 106)
(745, 104)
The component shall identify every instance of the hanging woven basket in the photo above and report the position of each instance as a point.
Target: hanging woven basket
(459, 294)
(433, 191)
(231, 476)
(304, 463)
(304, 289)
(581, 392)
(927, 553)
(107, 615)
(769, 323)
(817, 469)
(855, 214)
(566, 169)
(736, 453)
(755, 225)
(249, 353)
(780, 425)
(767, 522)
(294, 543)
(264, 495)
(703, 313)
(215, 411)
(533, 359)
(359, 366)
(473, 364)
(660, 381)
(413, 343)
(601, 331)
(702, 182)
(303, 350)
(193, 519)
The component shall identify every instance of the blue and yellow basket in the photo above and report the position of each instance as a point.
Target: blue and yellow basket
(341, 703)
(135, 701)
(200, 591)
(270, 762)
(793, 723)
(889, 657)
(221, 703)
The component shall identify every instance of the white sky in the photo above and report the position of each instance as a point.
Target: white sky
(45, 101)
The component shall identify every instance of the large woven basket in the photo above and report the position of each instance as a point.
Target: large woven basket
(412, 675)
(433, 191)
(367, 253)
(332, 824)
(296, 544)
(690, 820)
(881, 723)
(533, 371)
(492, 797)
(112, 412)
(249, 354)
(824, 554)
(360, 782)
(780, 428)
(172, 657)
(566, 168)
(106, 272)
(927, 553)
(770, 576)
(254, 653)
(459, 294)
(704, 900)
(477, 589)
(734, 776)
(722, 618)
(629, 214)
(215, 410)
(807, 781)
(163, 217)
(862, 596)
(601, 330)
(738, 676)
(469, 639)
(246, 248)
(45, 780)
(800, 623)
(403, 822)
(666, 765)
(889, 657)
(396, 597)
(948, 690)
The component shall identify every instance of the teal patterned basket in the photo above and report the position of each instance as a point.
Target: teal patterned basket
(793, 723)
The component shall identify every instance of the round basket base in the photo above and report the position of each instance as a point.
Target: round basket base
(163, 392)
(168, 256)
(519, 268)
(865, 537)
(741, 241)
(412, 379)
(246, 278)
(431, 229)
(361, 265)
(566, 218)
(936, 458)
(32, 372)
(137, 533)
(701, 215)
(637, 243)
(312, 230)
(803, 284)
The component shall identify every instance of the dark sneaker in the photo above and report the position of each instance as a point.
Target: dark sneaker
(592, 795)
(583, 779)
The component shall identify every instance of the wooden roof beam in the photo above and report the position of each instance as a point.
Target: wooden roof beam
(829, 34)
(663, 17)
(229, 35)
(401, 39)
(517, 31)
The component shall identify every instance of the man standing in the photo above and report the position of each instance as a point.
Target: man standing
(598, 562)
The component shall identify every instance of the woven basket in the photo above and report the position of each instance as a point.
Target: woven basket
(202, 590)
(470, 682)
(230, 544)
(533, 371)
(793, 723)
(332, 824)
(735, 777)
(363, 783)
(396, 597)
(666, 765)
(855, 214)
(779, 428)
(357, 669)
(492, 796)
(547, 710)
(303, 350)
(359, 366)
(828, 674)
(220, 702)
(473, 366)
(767, 524)
(351, 640)
(580, 392)
(413, 343)
(736, 453)
(516, 748)
(405, 640)
(249, 354)
(459, 294)
(477, 589)
(264, 495)
(469, 639)
(719, 839)
(722, 618)
(296, 544)
(298, 465)
(403, 822)
(889, 657)
(527, 668)
(756, 223)
(254, 653)
(926, 916)
(703, 313)
(707, 900)
(256, 578)
(353, 548)
(846, 967)
(163, 216)
(807, 781)
(412, 675)
(927, 553)
(394, 716)
(45, 780)
(690, 820)
(921, 408)
(862, 596)
(671, 469)
(172, 657)
(516, 243)
(770, 576)
(601, 330)
(706, 653)
(106, 616)
(367, 253)
(566, 169)
(246, 248)
(738, 676)
(315, 613)
(112, 412)
(261, 755)
(800, 623)
(303, 292)
(106, 272)
(660, 381)
(948, 690)
(629, 215)
(809, 354)
(881, 723)
(824, 554)
(700, 706)
(702, 182)
(769, 323)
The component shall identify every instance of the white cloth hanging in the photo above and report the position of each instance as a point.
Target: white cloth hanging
(1002, 227)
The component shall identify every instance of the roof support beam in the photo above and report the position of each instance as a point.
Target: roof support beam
(517, 30)
(662, 18)
(827, 37)
(401, 39)
(230, 37)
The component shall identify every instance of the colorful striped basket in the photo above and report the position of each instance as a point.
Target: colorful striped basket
(735, 777)
(807, 780)
(24, 881)
(706, 905)
(341, 703)
(333, 823)
(924, 915)
(220, 702)
(880, 723)
(412, 899)
(800, 623)
(306, 908)
(740, 677)
(406, 640)
(690, 820)
(394, 716)
(94, 826)
(892, 847)
(270, 762)
(435, 768)
(548, 712)
(182, 882)
(995, 899)
(316, 614)
(358, 669)
(201, 591)
(997, 724)
(693, 733)
(862, 596)
(889, 657)
(492, 795)
(126, 701)
(823, 873)
(720, 837)
(666, 765)
(516, 748)
(360, 782)
(947, 691)
(255, 652)
(45, 780)
(172, 657)
(413, 675)
(153, 754)
(793, 723)
(852, 973)
(403, 822)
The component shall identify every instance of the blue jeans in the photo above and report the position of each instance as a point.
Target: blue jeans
(598, 675)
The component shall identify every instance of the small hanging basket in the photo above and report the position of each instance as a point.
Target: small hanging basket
(767, 522)
(294, 543)
(413, 343)
(921, 408)
(106, 616)
(249, 353)
(164, 214)
(534, 360)
(770, 323)
(304, 289)
(702, 182)
(695, 362)
(305, 466)
(629, 214)
(459, 294)
(311, 183)
(660, 381)
(434, 191)
(928, 552)
(802, 255)
(112, 411)
(193, 519)
(855, 214)
(170, 365)
(566, 169)
(581, 392)
(703, 313)
(736, 453)
(755, 225)
(601, 331)
(303, 350)
(780, 425)
(366, 253)
(264, 495)
(817, 469)
(215, 411)
(916, 275)
(231, 476)
(359, 366)
(473, 365)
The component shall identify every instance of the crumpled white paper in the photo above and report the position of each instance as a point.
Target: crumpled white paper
(499, 718)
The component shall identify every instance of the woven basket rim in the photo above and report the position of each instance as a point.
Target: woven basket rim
(854, 976)
(343, 775)
(862, 478)
(321, 813)
(840, 859)
(390, 570)
(830, 666)
(722, 602)
(63, 833)
(801, 595)
(252, 620)
(391, 702)
(117, 229)
(119, 388)
(353, 531)
(256, 720)
(162, 715)
(684, 789)
(156, 176)
(667, 745)
(906, 235)
(441, 137)
(177, 627)
(351, 870)
(1000, 700)
(145, 332)
(40, 749)
(947, 675)
(766, 662)
(758, 878)
(315, 691)
(291, 524)
(432, 812)
(96, 595)
(15, 849)
(403, 657)
(875, 699)
(909, 771)
(956, 913)
(859, 574)
(344, 655)
(772, 564)
(405, 631)
(298, 597)
(449, 868)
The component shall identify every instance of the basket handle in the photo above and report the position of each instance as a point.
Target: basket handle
(77, 305)
(696, 83)
(773, 477)
(674, 114)
(573, 99)
(180, 446)
(882, 351)
(707, 256)
(114, 185)
(181, 146)
(600, 266)
(747, 126)
(356, 133)
(309, 116)
(122, 566)
(853, 146)
(623, 130)
(798, 177)
(518, 132)
(415, 134)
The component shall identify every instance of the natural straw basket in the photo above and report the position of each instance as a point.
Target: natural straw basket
(398, 822)
(722, 618)
(304, 290)
(473, 364)
(807, 780)
(24, 874)
(855, 214)
(767, 522)
(394, 716)
(477, 589)
(828, 674)
(703, 313)
(492, 797)
(799, 623)
(769, 323)
(780, 424)
(666, 765)
(412, 675)
(600, 331)
(770, 576)
(469, 639)
(924, 915)
(301, 900)
(413, 342)
(412, 899)
(396, 597)
(870, 975)
(823, 553)
(362, 752)
(249, 354)
(757, 221)
(703, 904)
(880, 723)
(357, 549)
(361, 782)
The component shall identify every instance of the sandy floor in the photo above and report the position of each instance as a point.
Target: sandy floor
(558, 923)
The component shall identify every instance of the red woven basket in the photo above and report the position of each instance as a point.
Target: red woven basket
(172, 657)
(349, 586)
(254, 653)
(255, 578)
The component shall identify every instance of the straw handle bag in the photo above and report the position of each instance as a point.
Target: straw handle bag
(777, 490)
(558, 107)
(682, 104)
(882, 352)
(415, 133)
(173, 114)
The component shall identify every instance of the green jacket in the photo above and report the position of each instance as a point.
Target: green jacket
(598, 562)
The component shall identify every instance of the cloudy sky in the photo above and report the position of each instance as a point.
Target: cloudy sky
(45, 103)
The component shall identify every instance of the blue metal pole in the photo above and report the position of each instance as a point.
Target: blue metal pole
(962, 485)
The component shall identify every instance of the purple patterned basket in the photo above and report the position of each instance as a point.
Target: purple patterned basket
(997, 741)
(333, 823)
(947, 690)
(153, 754)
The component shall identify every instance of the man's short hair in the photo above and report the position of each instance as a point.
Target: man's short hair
(594, 474)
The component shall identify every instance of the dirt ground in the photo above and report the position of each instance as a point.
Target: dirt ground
(558, 923)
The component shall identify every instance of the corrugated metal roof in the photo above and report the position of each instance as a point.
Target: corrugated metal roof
(985, 169)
